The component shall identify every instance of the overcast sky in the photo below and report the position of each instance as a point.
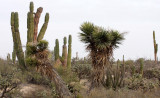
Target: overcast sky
(137, 17)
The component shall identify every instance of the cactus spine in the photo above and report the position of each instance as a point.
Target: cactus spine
(69, 51)
(16, 39)
(64, 52)
(56, 50)
(155, 47)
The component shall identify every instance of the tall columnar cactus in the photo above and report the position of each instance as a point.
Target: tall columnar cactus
(56, 49)
(16, 39)
(123, 66)
(32, 24)
(141, 66)
(38, 50)
(114, 76)
(8, 57)
(155, 47)
(69, 51)
(64, 52)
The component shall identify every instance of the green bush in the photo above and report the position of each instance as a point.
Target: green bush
(141, 83)
(67, 75)
(152, 73)
(8, 79)
(42, 45)
(82, 70)
(37, 78)
(31, 61)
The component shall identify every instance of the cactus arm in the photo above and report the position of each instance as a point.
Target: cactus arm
(36, 22)
(44, 28)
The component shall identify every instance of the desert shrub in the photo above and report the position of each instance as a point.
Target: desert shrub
(37, 78)
(85, 60)
(8, 79)
(141, 83)
(82, 70)
(67, 75)
(152, 73)
(70, 78)
(114, 77)
(128, 65)
(129, 62)
(31, 61)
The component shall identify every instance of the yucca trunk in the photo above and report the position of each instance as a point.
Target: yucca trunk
(98, 65)
(46, 68)
(61, 88)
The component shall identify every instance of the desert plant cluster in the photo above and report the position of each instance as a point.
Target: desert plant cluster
(39, 72)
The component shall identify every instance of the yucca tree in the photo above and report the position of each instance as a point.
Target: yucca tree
(100, 43)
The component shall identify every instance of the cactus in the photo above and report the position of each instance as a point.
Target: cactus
(141, 67)
(16, 39)
(38, 52)
(69, 51)
(114, 76)
(8, 57)
(31, 7)
(56, 49)
(133, 70)
(44, 28)
(77, 56)
(123, 71)
(30, 23)
(64, 52)
(14, 56)
(155, 47)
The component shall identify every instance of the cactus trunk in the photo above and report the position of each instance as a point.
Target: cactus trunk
(69, 51)
(13, 56)
(155, 47)
(57, 50)
(141, 67)
(64, 53)
(36, 21)
(17, 40)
